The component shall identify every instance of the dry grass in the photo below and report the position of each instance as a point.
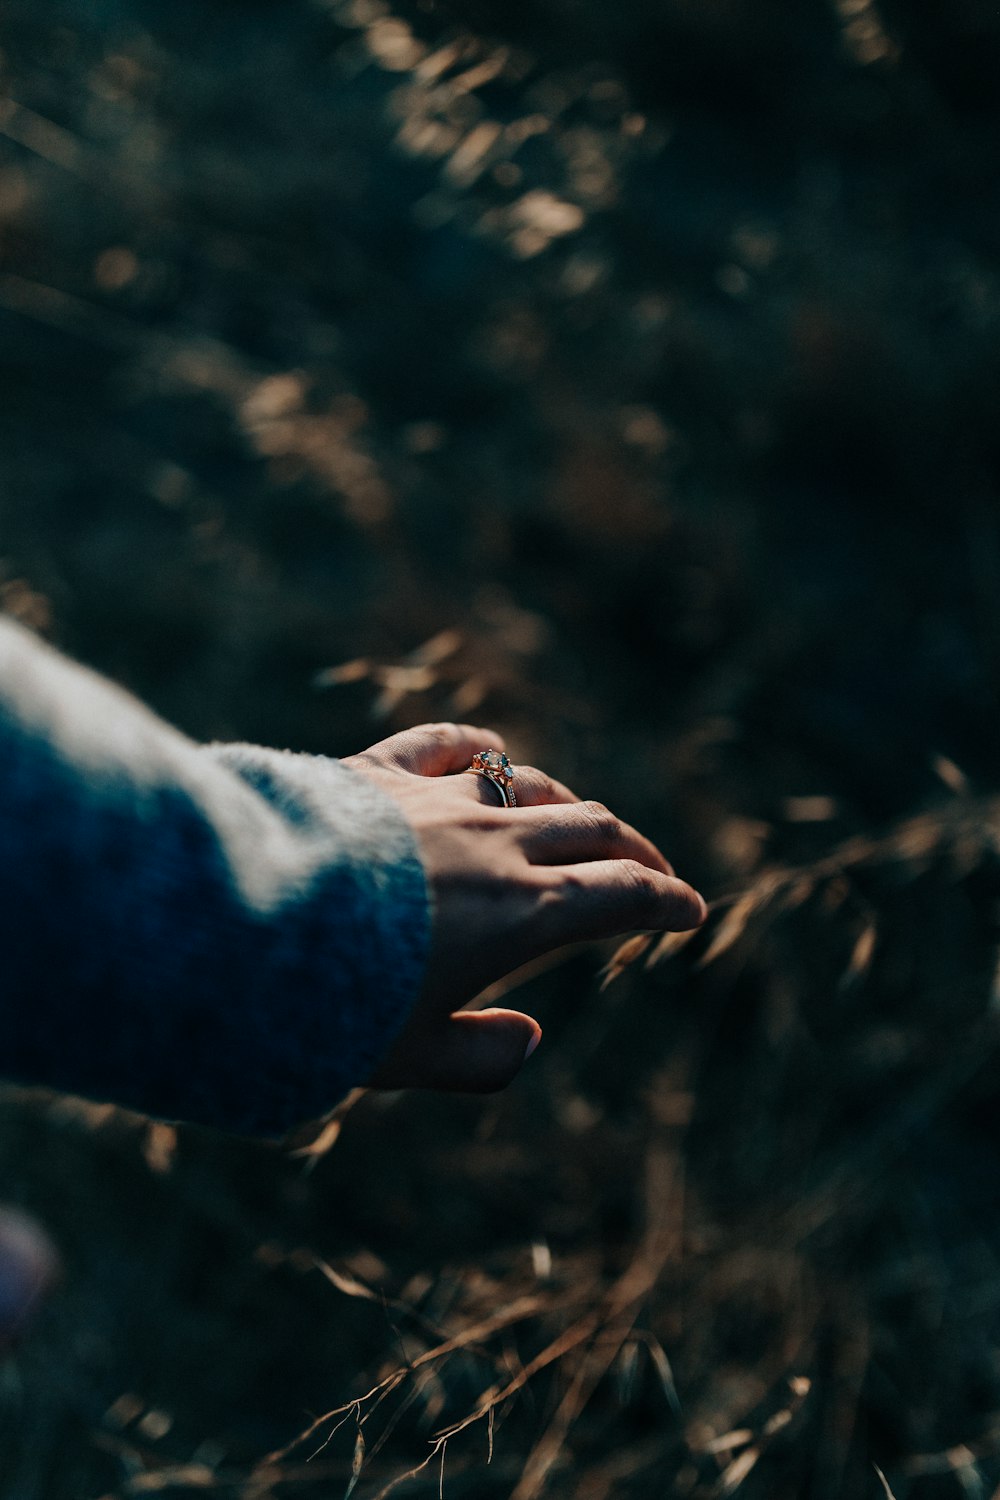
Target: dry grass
(797, 1278)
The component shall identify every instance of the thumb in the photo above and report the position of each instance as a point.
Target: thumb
(480, 1051)
(472, 1052)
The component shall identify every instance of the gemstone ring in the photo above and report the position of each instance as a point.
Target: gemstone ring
(495, 766)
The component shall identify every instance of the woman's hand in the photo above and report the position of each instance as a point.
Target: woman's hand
(506, 885)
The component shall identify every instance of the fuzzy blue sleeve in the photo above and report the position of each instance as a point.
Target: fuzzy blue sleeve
(222, 934)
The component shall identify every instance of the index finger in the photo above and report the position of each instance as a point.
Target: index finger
(604, 898)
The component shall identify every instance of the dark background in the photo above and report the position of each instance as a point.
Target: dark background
(627, 378)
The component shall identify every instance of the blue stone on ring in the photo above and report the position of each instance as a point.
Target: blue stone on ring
(495, 767)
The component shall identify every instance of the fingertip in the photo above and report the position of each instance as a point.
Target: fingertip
(483, 1051)
(692, 908)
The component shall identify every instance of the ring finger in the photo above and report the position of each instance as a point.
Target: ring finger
(532, 788)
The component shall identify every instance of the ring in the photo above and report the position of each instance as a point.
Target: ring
(495, 767)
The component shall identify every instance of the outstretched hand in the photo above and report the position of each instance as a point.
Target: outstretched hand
(506, 885)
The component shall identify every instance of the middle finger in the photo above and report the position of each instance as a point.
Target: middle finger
(584, 832)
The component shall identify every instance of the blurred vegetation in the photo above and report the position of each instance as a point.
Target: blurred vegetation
(627, 378)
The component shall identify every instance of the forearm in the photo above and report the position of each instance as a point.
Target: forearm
(221, 934)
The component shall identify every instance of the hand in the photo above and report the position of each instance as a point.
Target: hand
(506, 885)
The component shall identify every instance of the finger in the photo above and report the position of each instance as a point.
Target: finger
(435, 749)
(473, 1052)
(608, 897)
(532, 788)
(585, 831)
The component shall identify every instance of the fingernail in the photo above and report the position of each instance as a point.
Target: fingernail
(532, 1045)
(704, 906)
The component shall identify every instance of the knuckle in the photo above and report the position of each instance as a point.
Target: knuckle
(571, 883)
(539, 784)
(597, 811)
(602, 822)
(641, 883)
(558, 902)
(555, 904)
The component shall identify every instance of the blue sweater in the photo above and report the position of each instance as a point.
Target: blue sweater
(222, 933)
